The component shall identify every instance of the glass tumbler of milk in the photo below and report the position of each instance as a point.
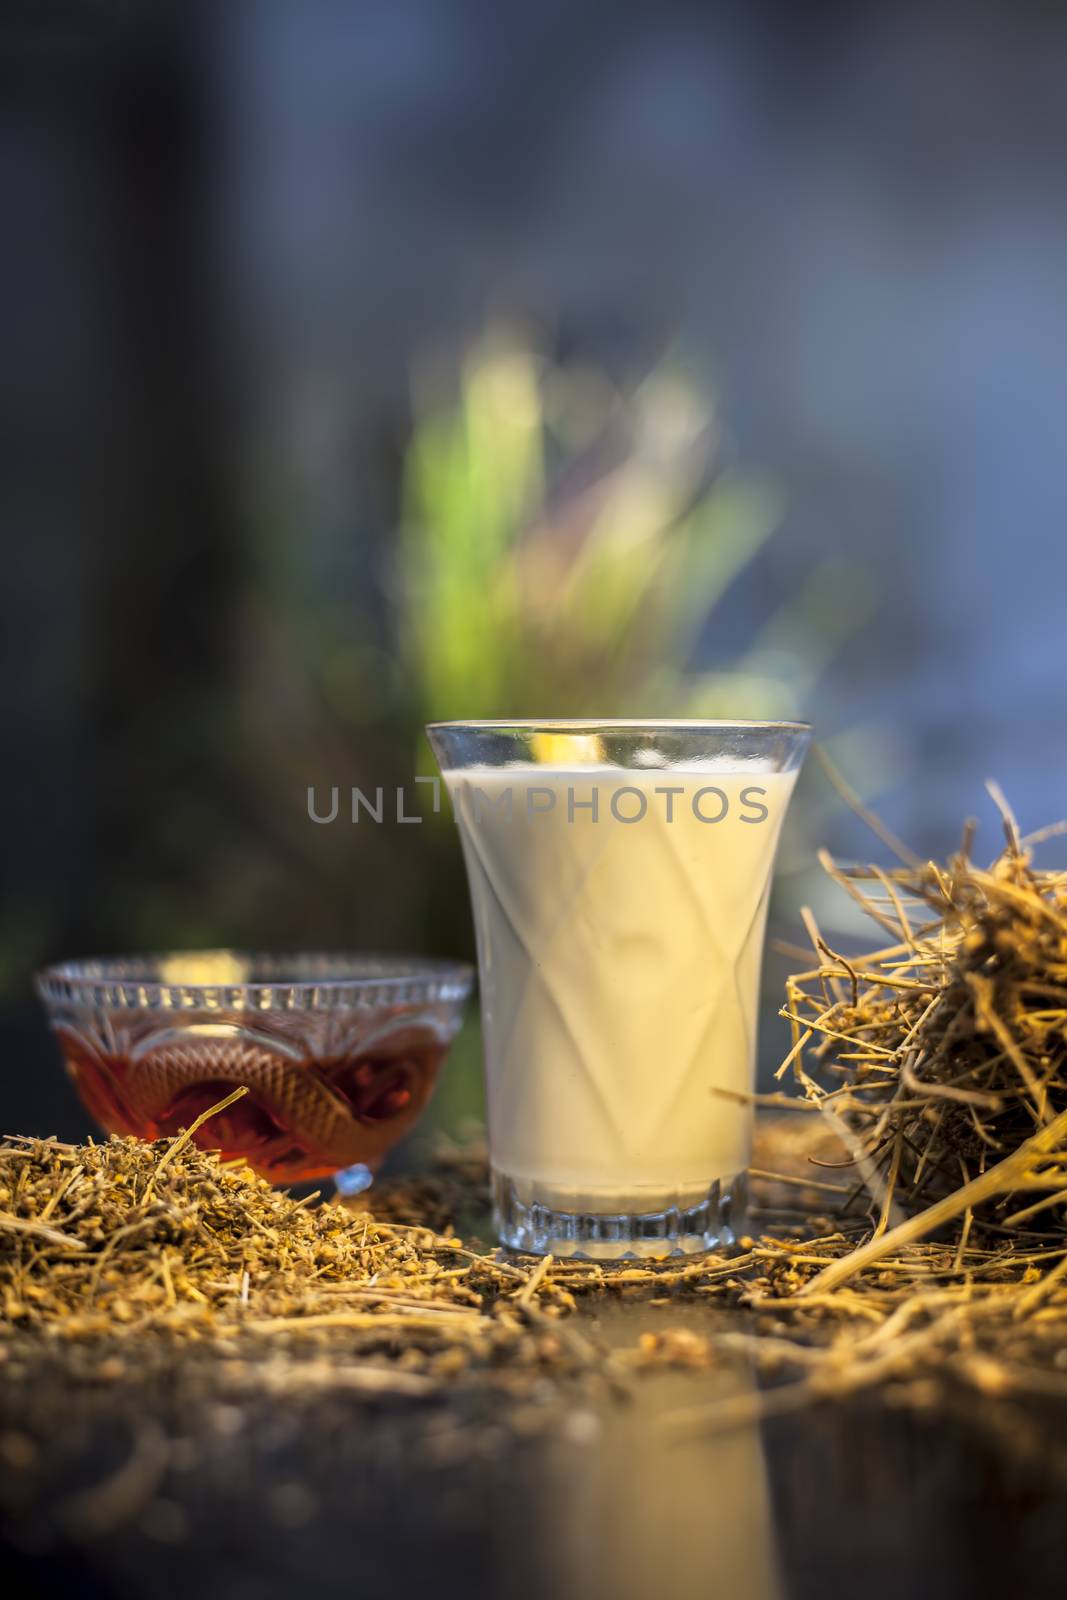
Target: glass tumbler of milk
(619, 874)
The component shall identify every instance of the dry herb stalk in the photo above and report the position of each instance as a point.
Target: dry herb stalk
(941, 1058)
(125, 1247)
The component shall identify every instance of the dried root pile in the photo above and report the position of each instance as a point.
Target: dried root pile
(941, 1059)
(122, 1253)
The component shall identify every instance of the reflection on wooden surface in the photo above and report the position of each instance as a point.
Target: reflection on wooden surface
(342, 1497)
(647, 1513)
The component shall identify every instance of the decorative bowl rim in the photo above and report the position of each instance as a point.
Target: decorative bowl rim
(349, 980)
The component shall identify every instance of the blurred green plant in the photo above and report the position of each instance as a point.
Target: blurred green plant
(564, 544)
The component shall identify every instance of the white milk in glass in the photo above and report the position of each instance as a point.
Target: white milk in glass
(620, 919)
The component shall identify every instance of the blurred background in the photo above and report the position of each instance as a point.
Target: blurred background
(367, 363)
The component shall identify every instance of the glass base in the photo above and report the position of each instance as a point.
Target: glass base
(353, 1180)
(714, 1222)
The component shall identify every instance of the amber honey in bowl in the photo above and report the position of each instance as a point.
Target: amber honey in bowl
(338, 1055)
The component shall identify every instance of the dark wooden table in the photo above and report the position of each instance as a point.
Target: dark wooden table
(359, 1498)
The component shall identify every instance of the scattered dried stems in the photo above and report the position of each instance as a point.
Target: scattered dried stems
(940, 1059)
(130, 1248)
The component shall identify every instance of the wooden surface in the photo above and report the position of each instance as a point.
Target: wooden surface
(349, 1497)
(131, 1491)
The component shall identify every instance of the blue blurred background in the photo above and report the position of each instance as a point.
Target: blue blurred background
(677, 358)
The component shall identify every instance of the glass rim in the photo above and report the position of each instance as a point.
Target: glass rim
(635, 724)
(282, 980)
